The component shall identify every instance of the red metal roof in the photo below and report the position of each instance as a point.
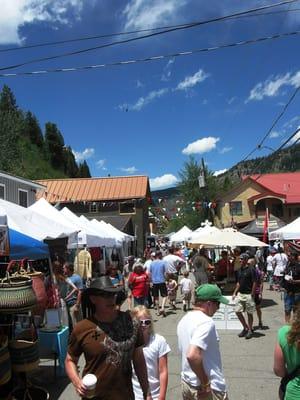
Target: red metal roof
(284, 184)
(95, 189)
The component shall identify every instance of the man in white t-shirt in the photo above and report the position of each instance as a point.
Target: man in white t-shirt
(198, 342)
(174, 263)
(280, 260)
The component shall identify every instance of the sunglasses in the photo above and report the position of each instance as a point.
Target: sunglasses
(145, 322)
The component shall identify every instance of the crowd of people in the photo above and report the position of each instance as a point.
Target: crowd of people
(130, 359)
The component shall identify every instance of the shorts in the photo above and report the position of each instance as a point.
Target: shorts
(290, 300)
(257, 299)
(190, 392)
(187, 296)
(244, 302)
(159, 288)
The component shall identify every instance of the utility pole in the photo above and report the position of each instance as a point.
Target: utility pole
(203, 186)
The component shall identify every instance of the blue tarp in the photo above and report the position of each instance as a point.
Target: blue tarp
(22, 246)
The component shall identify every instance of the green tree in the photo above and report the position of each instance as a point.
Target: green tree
(54, 145)
(227, 184)
(192, 193)
(70, 166)
(83, 170)
(32, 130)
(189, 184)
(7, 100)
(11, 125)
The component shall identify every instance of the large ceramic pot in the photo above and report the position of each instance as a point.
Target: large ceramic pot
(39, 289)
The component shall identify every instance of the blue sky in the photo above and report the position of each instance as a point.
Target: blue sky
(147, 118)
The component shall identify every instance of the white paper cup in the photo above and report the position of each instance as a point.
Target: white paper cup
(90, 381)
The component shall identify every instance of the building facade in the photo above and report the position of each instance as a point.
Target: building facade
(18, 190)
(121, 201)
(279, 193)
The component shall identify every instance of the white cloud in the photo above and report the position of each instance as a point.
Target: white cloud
(231, 100)
(163, 181)
(191, 81)
(188, 83)
(139, 84)
(274, 134)
(200, 146)
(271, 87)
(129, 170)
(220, 172)
(143, 101)
(141, 14)
(167, 71)
(101, 164)
(17, 13)
(225, 150)
(290, 124)
(83, 155)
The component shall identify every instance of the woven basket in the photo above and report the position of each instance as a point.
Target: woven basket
(5, 363)
(24, 355)
(16, 294)
(31, 393)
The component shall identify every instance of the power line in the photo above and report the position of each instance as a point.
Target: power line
(276, 151)
(279, 116)
(153, 58)
(260, 145)
(118, 42)
(109, 35)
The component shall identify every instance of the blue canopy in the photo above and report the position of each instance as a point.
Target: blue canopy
(22, 246)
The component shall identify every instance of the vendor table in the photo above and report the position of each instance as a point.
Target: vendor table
(55, 343)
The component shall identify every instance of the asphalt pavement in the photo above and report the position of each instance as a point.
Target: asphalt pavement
(247, 364)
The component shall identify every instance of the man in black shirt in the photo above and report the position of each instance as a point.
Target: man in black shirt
(244, 293)
(291, 285)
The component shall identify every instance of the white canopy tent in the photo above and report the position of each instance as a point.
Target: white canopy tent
(82, 238)
(101, 230)
(200, 233)
(3, 220)
(33, 224)
(181, 235)
(93, 238)
(228, 237)
(287, 232)
(119, 235)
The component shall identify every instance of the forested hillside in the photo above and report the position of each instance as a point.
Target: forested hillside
(29, 151)
(285, 160)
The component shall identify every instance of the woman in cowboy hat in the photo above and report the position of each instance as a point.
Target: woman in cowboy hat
(110, 340)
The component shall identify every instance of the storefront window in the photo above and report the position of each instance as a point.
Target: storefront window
(2, 191)
(236, 208)
(93, 208)
(23, 198)
(127, 207)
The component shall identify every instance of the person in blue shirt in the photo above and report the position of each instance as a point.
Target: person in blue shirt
(158, 270)
(73, 297)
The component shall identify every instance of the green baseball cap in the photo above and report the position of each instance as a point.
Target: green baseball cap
(210, 292)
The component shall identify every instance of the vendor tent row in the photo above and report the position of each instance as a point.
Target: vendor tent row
(211, 236)
(41, 222)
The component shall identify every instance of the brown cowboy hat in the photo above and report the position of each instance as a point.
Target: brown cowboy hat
(102, 284)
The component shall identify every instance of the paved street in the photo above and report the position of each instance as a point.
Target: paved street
(247, 363)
